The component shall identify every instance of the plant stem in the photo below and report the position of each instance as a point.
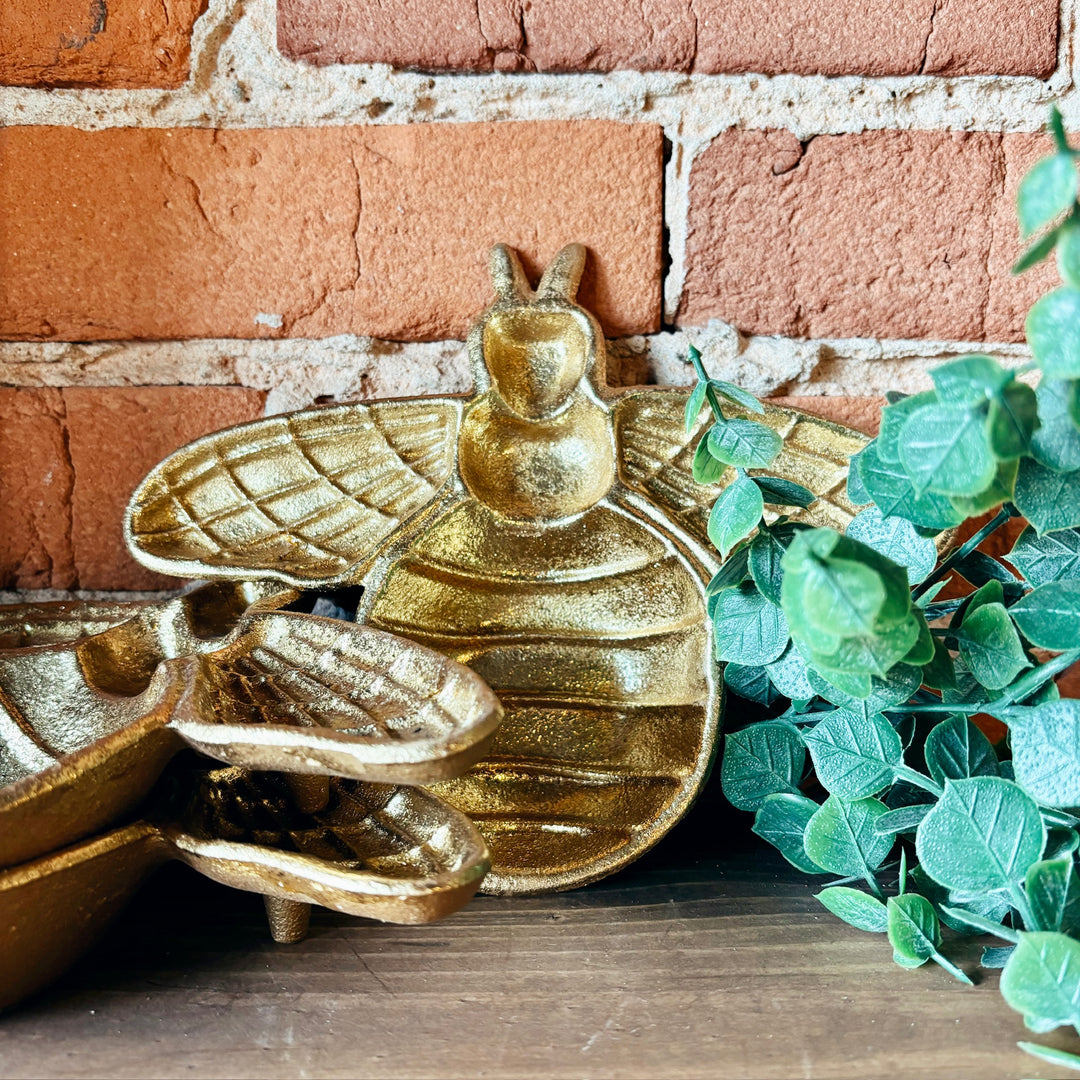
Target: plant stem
(1033, 680)
(710, 393)
(1020, 902)
(916, 779)
(962, 552)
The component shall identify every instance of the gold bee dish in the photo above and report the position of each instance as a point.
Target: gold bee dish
(88, 723)
(546, 531)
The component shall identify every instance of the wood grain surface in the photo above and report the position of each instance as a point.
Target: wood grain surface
(709, 958)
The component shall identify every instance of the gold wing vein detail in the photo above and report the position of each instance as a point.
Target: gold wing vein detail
(656, 454)
(301, 498)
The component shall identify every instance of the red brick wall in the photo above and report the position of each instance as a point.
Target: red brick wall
(205, 175)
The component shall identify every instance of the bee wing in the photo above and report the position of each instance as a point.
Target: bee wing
(304, 694)
(301, 498)
(398, 854)
(656, 454)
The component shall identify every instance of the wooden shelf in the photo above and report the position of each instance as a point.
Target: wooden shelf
(709, 958)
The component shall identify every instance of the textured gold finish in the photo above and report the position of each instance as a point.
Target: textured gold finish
(547, 532)
(88, 723)
(397, 854)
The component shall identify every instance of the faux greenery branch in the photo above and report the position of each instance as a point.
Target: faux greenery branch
(869, 761)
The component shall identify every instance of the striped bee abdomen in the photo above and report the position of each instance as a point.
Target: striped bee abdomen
(594, 635)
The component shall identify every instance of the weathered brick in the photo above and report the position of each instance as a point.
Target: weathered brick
(1007, 37)
(881, 234)
(383, 230)
(831, 37)
(94, 43)
(69, 461)
(35, 491)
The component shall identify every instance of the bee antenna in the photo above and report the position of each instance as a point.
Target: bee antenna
(507, 276)
(561, 278)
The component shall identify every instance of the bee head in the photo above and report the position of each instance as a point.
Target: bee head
(537, 346)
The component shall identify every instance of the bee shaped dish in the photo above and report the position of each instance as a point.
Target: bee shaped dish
(88, 723)
(546, 531)
(96, 698)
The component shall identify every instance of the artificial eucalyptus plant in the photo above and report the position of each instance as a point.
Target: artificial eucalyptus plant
(856, 660)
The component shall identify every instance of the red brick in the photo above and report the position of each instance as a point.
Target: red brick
(35, 491)
(97, 43)
(861, 413)
(1009, 37)
(69, 461)
(384, 230)
(880, 234)
(831, 37)
(115, 436)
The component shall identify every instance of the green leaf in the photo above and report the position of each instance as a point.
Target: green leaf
(856, 491)
(914, 934)
(991, 646)
(856, 908)
(1011, 421)
(761, 760)
(1049, 616)
(1051, 1054)
(1046, 750)
(940, 672)
(897, 687)
(1042, 559)
(1068, 253)
(971, 380)
(888, 485)
(1053, 332)
(995, 957)
(903, 819)
(705, 468)
(778, 492)
(745, 444)
(733, 571)
(842, 596)
(1037, 252)
(980, 569)
(789, 675)
(893, 418)
(1042, 980)
(1049, 500)
(869, 655)
(981, 836)
(765, 555)
(913, 928)
(896, 539)
(854, 756)
(840, 837)
(751, 681)
(1047, 191)
(750, 629)
(1053, 890)
(737, 394)
(944, 450)
(782, 820)
(1000, 490)
(735, 514)
(693, 405)
(956, 749)
(1056, 442)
